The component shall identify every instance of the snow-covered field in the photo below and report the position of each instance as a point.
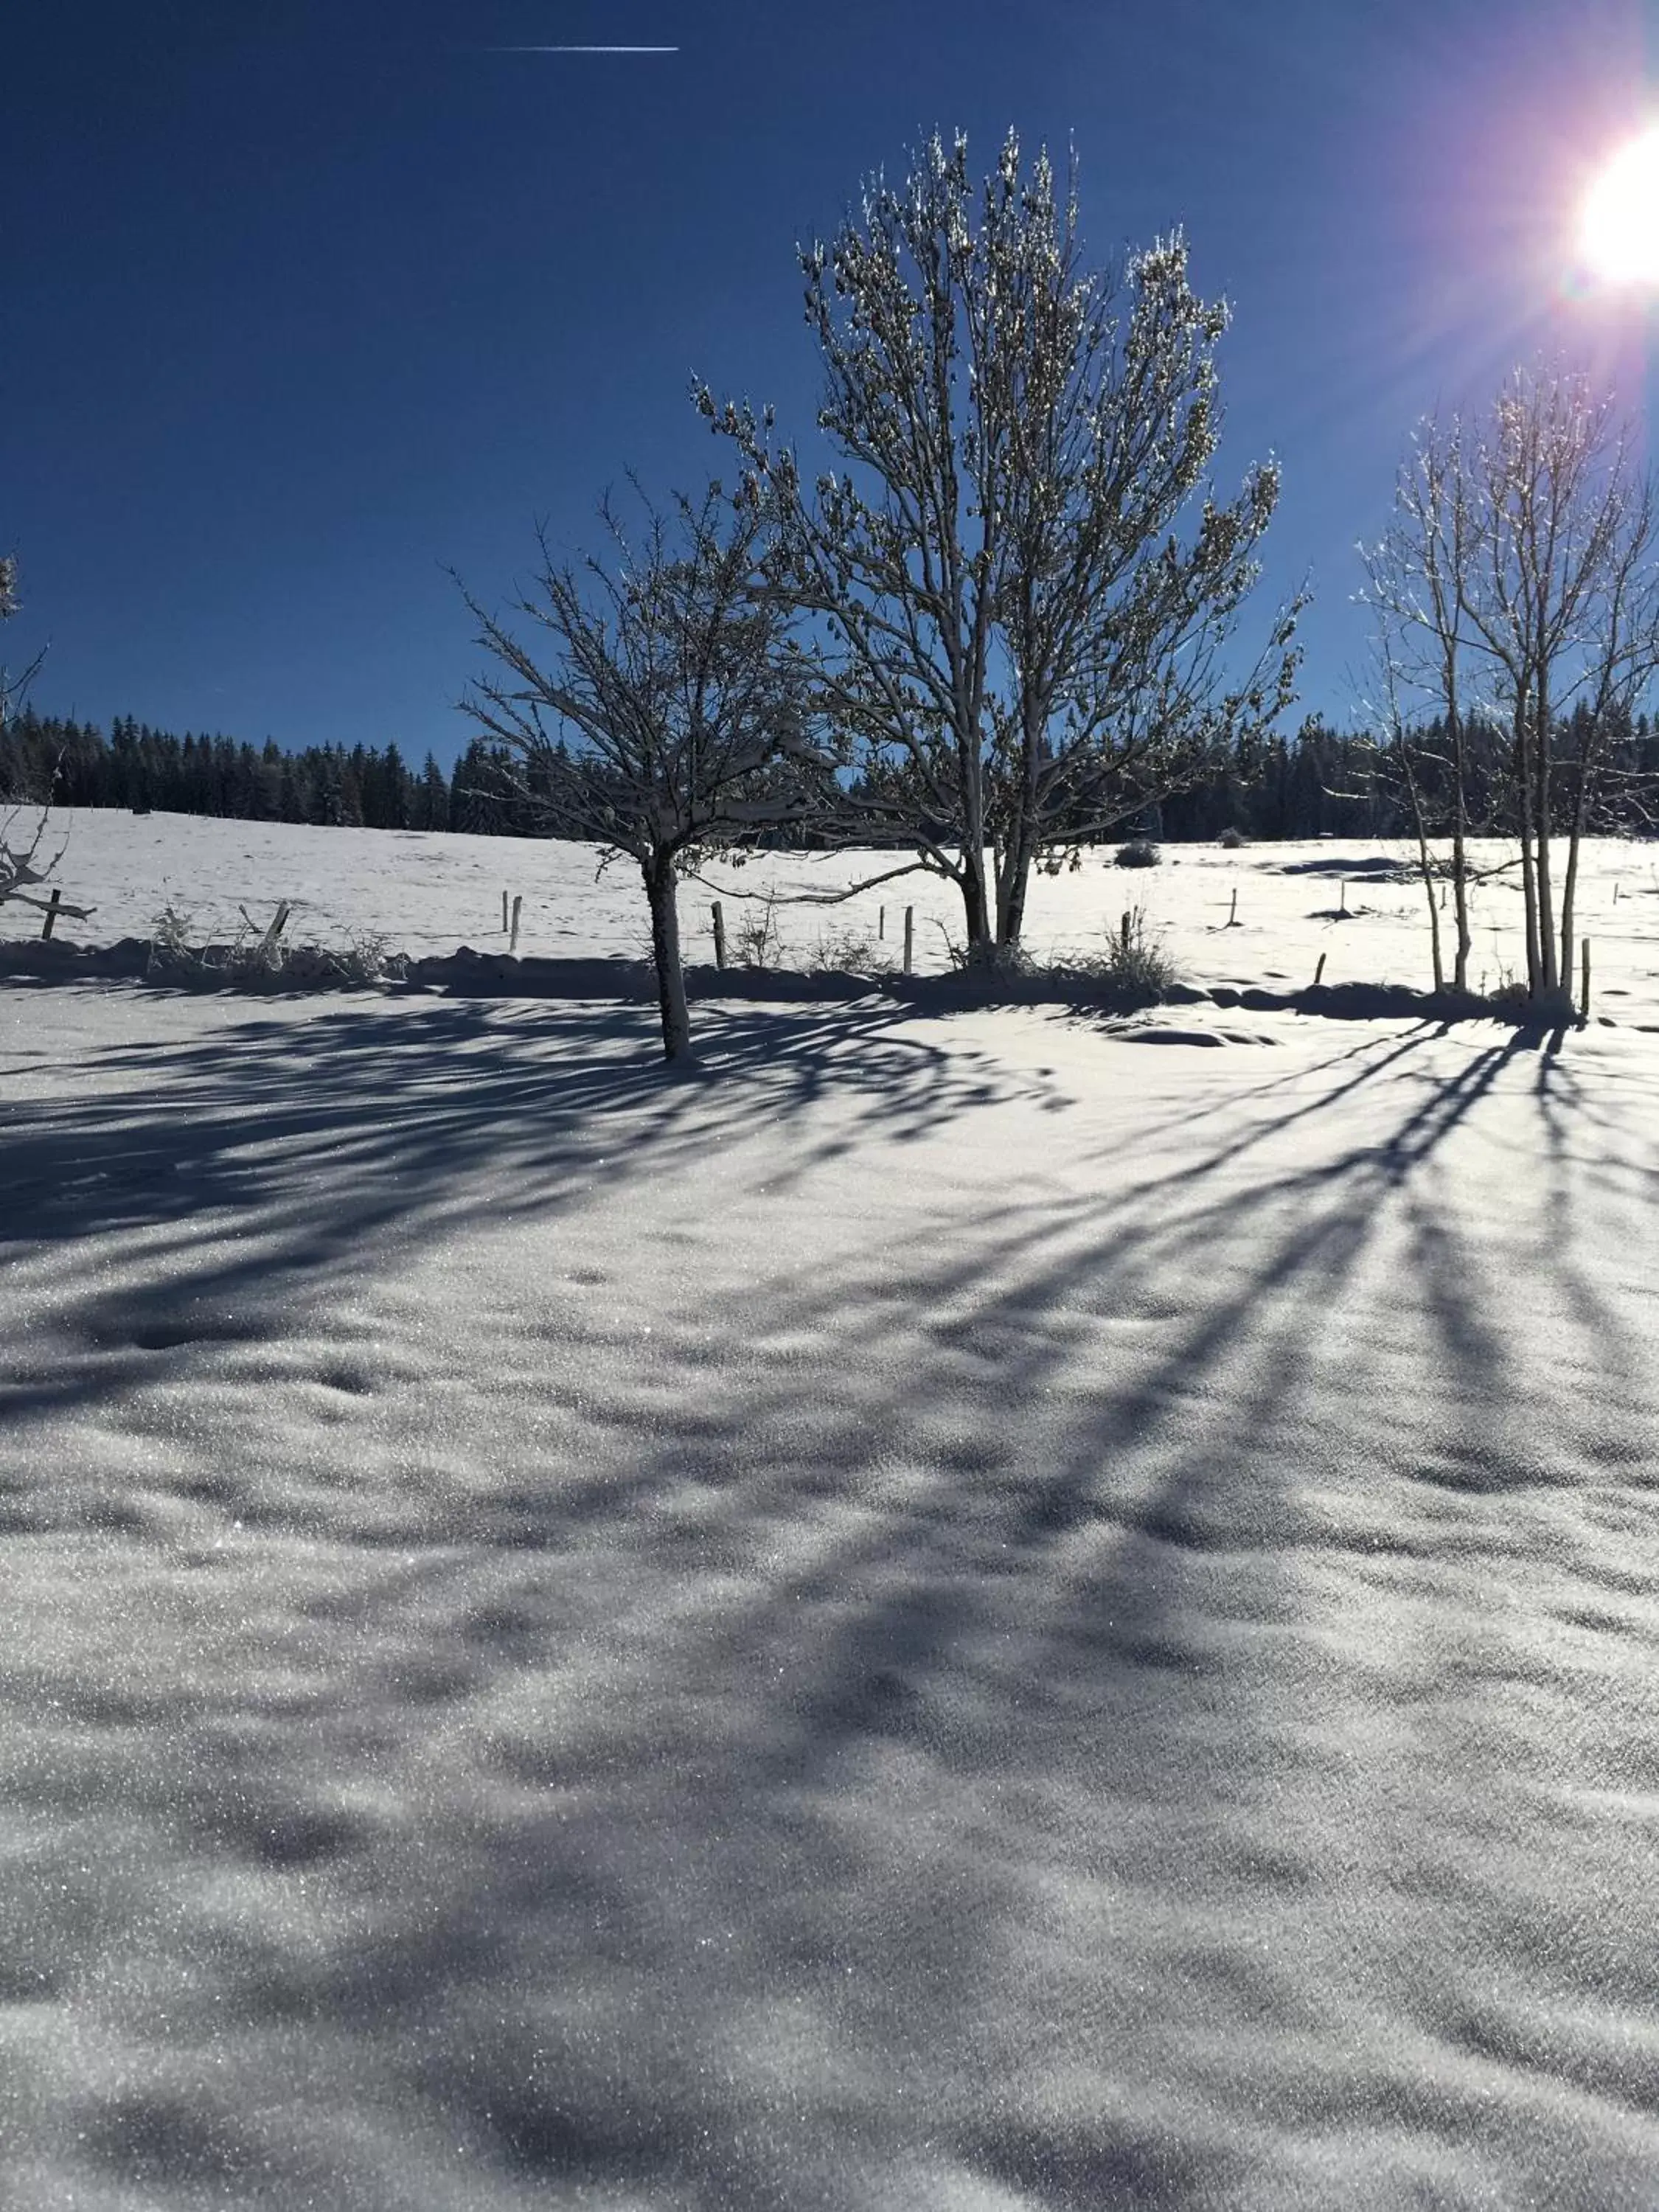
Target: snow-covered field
(427, 894)
(947, 1615)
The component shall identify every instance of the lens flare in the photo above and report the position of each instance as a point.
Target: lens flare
(1621, 230)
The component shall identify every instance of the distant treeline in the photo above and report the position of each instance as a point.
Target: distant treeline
(1321, 782)
(366, 788)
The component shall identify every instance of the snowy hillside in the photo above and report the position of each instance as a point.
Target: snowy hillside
(946, 1615)
(428, 893)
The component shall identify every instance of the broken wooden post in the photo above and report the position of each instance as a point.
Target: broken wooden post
(909, 936)
(1232, 917)
(503, 914)
(720, 936)
(1128, 924)
(513, 942)
(51, 914)
(268, 942)
(1319, 971)
(881, 921)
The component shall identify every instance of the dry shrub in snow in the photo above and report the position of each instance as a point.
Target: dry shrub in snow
(852, 952)
(755, 939)
(256, 959)
(1135, 962)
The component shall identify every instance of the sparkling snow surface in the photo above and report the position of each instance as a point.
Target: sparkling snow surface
(943, 1615)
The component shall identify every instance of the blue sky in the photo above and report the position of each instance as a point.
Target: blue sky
(301, 304)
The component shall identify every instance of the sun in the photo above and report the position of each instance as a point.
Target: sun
(1619, 232)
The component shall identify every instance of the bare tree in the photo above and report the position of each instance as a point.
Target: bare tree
(1021, 647)
(1417, 581)
(1565, 596)
(677, 716)
(1520, 580)
(13, 686)
(23, 864)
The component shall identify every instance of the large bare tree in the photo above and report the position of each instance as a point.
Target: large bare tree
(675, 716)
(1013, 628)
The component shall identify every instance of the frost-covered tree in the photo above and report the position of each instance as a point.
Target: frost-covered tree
(1019, 622)
(676, 715)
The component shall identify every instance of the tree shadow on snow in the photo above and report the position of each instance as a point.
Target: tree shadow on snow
(254, 1168)
(781, 1749)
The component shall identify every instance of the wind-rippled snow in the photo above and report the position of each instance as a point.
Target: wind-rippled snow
(943, 1613)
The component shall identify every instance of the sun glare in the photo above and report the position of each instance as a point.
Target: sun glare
(1620, 233)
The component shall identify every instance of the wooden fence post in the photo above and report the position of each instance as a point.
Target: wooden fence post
(720, 936)
(1232, 917)
(1584, 995)
(881, 921)
(503, 914)
(909, 936)
(51, 912)
(517, 908)
(1319, 971)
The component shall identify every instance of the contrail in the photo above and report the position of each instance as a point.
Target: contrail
(582, 50)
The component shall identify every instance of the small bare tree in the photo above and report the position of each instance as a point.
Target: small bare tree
(677, 716)
(1417, 578)
(1519, 582)
(22, 864)
(1020, 645)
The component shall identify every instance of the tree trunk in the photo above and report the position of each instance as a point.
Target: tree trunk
(1460, 854)
(1425, 865)
(976, 901)
(1014, 876)
(1528, 879)
(1570, 883)
(1014, 886)
(1549, 975)
(661, 890)
(976, 893)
